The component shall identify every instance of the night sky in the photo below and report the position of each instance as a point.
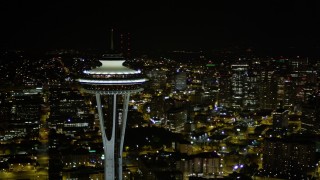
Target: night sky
(160, 24)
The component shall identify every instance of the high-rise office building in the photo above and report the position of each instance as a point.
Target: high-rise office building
(224, 88)
(290, 158)
(25, 115)
(284, 89)
(267, 87)
(180, 81)
(125, 44)
(112, 83)
(280, 119)
(239, 85)
(251, 99)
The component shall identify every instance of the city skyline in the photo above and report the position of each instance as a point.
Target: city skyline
(243, 117)
(165, 25)
(183, 90)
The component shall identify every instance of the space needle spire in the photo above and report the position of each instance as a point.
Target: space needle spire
(111, 40)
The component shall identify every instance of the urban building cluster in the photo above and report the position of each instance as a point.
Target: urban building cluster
(197, 117)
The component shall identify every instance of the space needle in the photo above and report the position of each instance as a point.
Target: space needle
(112, 83)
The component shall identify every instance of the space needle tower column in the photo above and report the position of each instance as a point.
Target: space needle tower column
(112, 82)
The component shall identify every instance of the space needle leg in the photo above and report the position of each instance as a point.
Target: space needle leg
(108, 145)
(123, 130)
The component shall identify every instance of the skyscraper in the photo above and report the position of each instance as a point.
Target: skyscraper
(239, 85)
(112, 83)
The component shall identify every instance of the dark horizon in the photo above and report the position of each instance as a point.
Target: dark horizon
(266, 26)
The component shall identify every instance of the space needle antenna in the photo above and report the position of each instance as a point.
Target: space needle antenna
(111, 43)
